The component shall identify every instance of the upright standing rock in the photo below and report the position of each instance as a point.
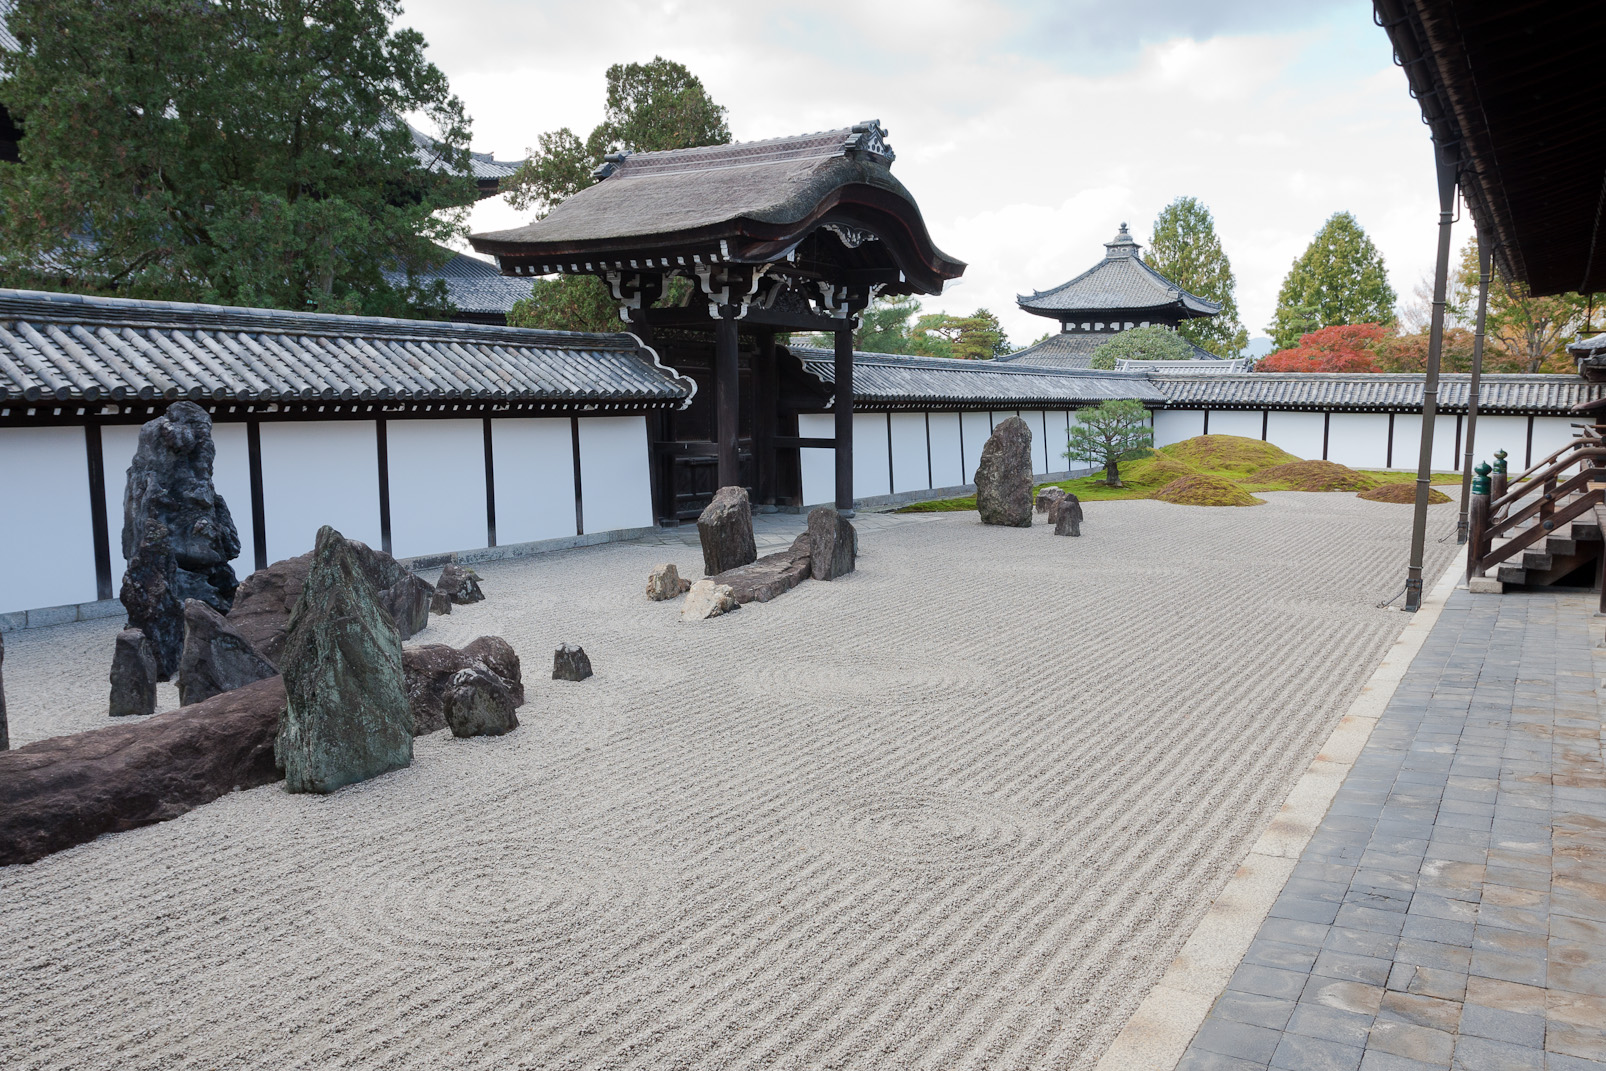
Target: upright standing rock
(216, 657)
(570, 663)
(833, 544)
(1004, 477)
(346, 716)
(665, 582)
(726, 529)
(133, 675)
(150, 597)
(5, 731)
(1068, 516)
(479, 703)
(170, 483)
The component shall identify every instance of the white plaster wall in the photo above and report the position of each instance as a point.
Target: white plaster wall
(977, 428)
(46, 541)
(615, 473)
(117, 446)
(819, 466)
(534, 470)
(1359, 440)
(947, 465)
(1245, 422)
(870, 477)
(1550, 435)
(1408, 441)
(1508, 433)
(319, 472)
(910, 470)
(1175, 425)
(1034, 420)
(437, 485)
(1298, 433)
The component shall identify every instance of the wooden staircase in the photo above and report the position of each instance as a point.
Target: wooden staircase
(1545, 527)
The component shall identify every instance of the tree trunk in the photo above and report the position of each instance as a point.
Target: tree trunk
(1112, 476)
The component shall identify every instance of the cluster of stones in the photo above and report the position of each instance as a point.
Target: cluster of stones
(1004, 484)
(737, 575)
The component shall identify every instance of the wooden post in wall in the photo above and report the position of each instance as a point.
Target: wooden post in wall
(727, 398)
(766, 406)
(844, 420)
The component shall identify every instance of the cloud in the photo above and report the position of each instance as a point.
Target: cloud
(1027, 131)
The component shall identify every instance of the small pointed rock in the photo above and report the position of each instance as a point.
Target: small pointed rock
(479, 703)
(217, 658)
(569, 663)
(833, 544)
(665, 582)
(1067, 516)
(460, 583)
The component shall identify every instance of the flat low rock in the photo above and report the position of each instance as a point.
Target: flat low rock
(771, 575)
(216, 657)
(707, 599)
(725, 528)
(1047, 498)
(430, 668)
(66, 790)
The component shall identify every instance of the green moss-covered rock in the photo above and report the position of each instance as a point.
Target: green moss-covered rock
(346, 716)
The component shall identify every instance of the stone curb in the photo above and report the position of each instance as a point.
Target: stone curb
(1157, 1034)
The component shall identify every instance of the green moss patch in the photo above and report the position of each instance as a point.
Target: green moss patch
(1202, 489)
(1227, 455)
(1309, 476)
(1402, 493)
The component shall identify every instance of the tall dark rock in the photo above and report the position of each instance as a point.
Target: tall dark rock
(5, 731)
(726, 530)
(1004, 477)
(150, 597)
(133, 675)
(170, 483)
(346, 716)
(216, 657)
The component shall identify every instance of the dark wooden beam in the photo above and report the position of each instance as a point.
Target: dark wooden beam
(766, 412)
(795, 442)
(727, 398)
(695, 316)
(101, 530)
(844, 419)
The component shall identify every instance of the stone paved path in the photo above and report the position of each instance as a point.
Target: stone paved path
(1450, 912)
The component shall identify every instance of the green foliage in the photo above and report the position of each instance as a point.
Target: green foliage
(977, 337)
(568, 303)
(1184, 248)
(240, 151)
(1110, 433)
(1339, 279)
(650, 107)
(1156, 342)
(884, 326)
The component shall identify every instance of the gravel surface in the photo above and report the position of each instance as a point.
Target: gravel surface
(956, 810)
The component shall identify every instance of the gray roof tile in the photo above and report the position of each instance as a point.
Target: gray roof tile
(1401, 393)
(474, 286)
(65, 347)
(892, 380)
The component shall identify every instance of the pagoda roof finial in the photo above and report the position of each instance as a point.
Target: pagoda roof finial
(1122, 244)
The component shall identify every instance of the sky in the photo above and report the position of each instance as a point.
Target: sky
(1027, 130)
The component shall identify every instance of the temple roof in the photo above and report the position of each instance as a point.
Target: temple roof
(1074, 349)
(744, 203)
(1121, 282)
(476, 289)
(69, 348)
(1372, 391)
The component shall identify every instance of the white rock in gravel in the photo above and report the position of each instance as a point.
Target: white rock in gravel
(708, 599)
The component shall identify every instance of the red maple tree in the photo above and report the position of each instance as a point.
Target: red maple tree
(1340, 348)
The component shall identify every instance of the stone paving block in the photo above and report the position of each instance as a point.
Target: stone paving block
(1265, 953)
(1201, 1060)
(1356, 997)
(1420, 1010)
(1556, 1061)
(1441, 957)
(1256, 1010)
(1377, 1060)
(1369, 969)
(1414, 1042)
(1440, 931)
(1479, 1020)
(1329, 1024)
(1483, 1054)
(1291, 932)
(1243, 1040)
(1508, 996)
(1268, 982)
(1577, 967)
(1297, 1053)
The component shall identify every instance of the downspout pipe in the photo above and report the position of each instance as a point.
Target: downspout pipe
(1430, 382)
(1484, 258)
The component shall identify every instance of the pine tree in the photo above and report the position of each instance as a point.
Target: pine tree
(1184, 248)
(249, 152)
(1339, 279)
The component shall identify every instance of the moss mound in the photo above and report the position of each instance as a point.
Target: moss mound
(1227, 453)
(1403, 493)
(1201, 489)
(1311, 476)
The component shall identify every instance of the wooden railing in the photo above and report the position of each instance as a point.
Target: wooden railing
(1507, 518)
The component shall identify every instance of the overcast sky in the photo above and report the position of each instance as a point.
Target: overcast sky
(1027, 130)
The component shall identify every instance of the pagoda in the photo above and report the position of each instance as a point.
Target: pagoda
(1118, 293)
